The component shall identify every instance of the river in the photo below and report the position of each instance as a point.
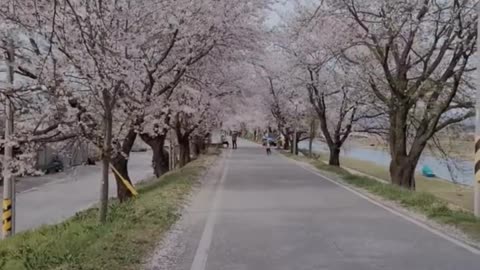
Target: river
(461, 171)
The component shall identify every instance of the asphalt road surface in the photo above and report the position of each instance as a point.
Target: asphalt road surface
(267, 213)
(51, 199)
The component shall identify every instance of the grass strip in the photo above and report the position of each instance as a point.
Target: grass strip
(422, 202)
(131, 232)
(456, 194)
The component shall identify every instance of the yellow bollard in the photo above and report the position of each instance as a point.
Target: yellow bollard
(7, 217)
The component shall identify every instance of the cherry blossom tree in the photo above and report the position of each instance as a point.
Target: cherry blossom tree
(92, 55)
(102, 52)
(39, 114)
(246, 106)
(340, 105)
(417, 61)
(111, 70)
(216, 34)
(175, 43)
(286, 101)
(315, 60)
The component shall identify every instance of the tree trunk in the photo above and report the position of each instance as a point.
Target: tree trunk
(160, 160)
(402, 167)
(297, 140)
(298, 137)
(104, 188)
(196, 149)
(403, 164)
(106, 158)
(334, 159)
(292, 146)
(311, 137)
(198, 145)
(206, 142)
(184, 144)
(402, 172)
(120, 163)
(286, 146)
(310, 147)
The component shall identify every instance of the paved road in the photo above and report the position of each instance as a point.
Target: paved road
(270, 214)
(51, 199)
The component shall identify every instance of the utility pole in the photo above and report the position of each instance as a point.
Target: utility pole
(476, 183)
(8, 215)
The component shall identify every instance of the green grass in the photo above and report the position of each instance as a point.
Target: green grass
(426, 203)
(131, 232)
(458, 195)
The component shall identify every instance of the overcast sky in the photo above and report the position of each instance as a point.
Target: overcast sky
(279, 11)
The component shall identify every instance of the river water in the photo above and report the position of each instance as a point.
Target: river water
(454, 170)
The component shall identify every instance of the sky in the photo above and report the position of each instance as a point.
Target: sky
(279, 11)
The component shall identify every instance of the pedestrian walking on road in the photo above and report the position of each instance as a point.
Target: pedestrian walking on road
(234, 140)
(267, 146)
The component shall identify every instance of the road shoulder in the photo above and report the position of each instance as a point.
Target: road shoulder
(448, 232)
(133, 228)
(179, 248)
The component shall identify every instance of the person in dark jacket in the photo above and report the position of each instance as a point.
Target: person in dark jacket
(234, 140)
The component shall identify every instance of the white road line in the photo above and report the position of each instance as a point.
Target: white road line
(391, 210)
(201, 255)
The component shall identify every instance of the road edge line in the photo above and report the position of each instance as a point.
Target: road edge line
(411, 219)
(201, 254)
